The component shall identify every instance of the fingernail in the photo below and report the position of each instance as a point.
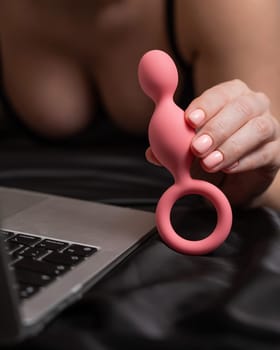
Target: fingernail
(213, 159)
(202, 143)
(197, 116)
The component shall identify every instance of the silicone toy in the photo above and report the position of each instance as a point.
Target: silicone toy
(170, 138)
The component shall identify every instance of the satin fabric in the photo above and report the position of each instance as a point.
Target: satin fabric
(157, 298)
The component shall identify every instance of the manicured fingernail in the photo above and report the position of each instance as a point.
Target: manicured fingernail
(202, 143)
(197, 116)
(213, 159)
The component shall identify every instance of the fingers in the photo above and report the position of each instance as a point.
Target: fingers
(210, 102)
(235, 127)
(235, 153)
(235, 130)
(265, 156)
(151, 157)
(229, 119)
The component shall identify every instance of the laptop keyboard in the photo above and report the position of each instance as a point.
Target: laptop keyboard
(39, 261)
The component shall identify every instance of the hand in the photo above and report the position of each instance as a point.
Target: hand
(237, 143)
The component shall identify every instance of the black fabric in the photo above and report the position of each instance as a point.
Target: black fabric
(157, 299)
(171, 32)
(186, 71)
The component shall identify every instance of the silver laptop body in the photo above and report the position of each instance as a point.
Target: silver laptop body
(114, 231)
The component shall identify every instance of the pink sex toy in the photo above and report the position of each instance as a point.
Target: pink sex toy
(170, 138)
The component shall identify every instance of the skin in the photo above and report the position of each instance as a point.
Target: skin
(55, 75)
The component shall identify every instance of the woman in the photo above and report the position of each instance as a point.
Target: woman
(64, 59)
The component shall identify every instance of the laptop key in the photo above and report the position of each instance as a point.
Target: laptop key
(33, 278)
(6, 234)
(32, 252)
(13, 257)
(24, 239)
(12, 247)
(63, 258)
(26, 290)
(81, 250)
(40, 266)
(51, 244)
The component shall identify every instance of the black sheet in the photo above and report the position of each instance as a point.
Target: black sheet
(157, 299)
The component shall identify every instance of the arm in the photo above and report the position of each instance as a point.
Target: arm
(234, 39)
(240, 39)
(234, 49)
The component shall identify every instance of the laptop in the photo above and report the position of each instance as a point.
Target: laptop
(53, 249)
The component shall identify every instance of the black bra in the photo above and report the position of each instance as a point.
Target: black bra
(188, 89)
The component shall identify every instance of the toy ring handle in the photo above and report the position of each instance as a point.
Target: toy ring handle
(215, 238)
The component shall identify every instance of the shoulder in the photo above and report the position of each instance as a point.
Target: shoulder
(217, 26)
